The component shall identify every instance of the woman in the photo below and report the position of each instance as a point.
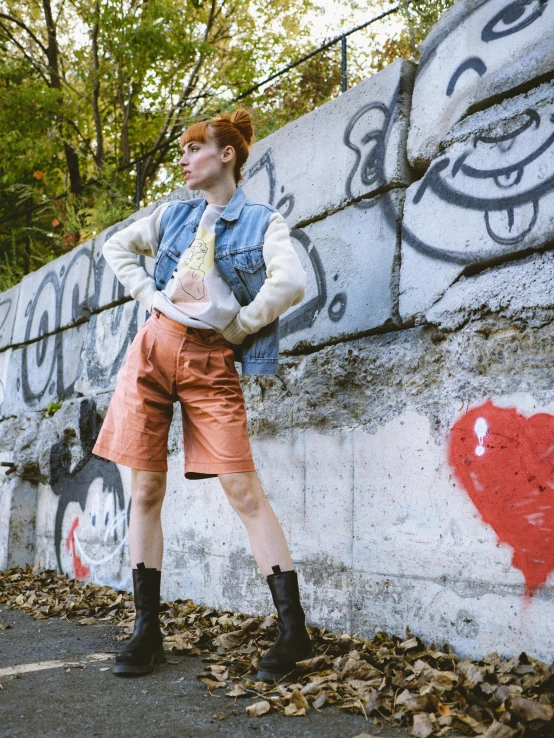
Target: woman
(225, 270)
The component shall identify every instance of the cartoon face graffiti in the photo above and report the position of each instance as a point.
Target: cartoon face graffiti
(477, 50)
(94, 537)
(494, 194)
(91, 524)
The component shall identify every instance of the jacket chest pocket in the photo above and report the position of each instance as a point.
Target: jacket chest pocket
(166, 262)
(250, 268)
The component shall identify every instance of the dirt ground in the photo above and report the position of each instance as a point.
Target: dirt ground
(83, 698)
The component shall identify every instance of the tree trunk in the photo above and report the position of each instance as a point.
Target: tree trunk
(99, 157)
(71, 157)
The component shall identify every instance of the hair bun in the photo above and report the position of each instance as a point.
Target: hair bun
(242, 120)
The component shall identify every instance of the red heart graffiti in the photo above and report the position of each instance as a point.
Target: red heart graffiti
(505, 462)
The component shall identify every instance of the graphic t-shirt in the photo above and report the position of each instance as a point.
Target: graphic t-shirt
(196, 294)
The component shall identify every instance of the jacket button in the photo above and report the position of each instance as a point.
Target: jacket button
(193, 229)
(162, 281)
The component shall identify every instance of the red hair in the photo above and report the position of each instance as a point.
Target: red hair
(234, 130)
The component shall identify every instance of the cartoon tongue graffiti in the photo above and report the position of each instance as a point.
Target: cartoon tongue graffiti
(505, 462)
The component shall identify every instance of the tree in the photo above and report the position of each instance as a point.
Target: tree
(88, 86)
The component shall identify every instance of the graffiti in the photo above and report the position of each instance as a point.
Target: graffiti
(6, 304)
(505, 462)
(513, 18)
(478, 51)
(54, 363)
(111, 331)
(91, 522)
(58, 301)
(472, 63)
(366, 135)
(500, 179)
(305, 315)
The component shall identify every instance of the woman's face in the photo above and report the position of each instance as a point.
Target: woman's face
(205, 163)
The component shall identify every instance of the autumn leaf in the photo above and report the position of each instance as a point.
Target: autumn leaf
(258, 708)
(236, 691)
(422, 726)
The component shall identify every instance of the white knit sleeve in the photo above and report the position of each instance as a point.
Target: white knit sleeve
(122, 250)
(283, 287)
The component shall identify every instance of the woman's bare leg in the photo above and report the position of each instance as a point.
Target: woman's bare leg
(248, 500)
(145, 525)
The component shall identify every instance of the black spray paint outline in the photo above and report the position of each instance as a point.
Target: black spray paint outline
(47, 334)
(434, 182)
(73, 485)
(489, 34)
(305, 315)
(475, 63)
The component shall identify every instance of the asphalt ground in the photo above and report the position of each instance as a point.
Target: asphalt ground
(79, 696)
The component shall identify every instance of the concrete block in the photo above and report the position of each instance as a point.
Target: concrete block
(473, 623)
(488, 196)
(281, 466)
(54, 297)
(438, 531)
(523, 290)
(8, 306)
(5, 510)
(328, 499)
(350, 258)
(496, 115)
(4, 363)
(109, 335)
(350, 147)
(44, 371)
(477, 52)
(21, 501)
(105, 289)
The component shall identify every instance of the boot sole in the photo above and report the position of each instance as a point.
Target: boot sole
(158, 657)
(275, 675)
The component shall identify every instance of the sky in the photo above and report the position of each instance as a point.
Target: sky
(340, 16)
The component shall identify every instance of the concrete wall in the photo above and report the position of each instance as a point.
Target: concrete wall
(407, 440)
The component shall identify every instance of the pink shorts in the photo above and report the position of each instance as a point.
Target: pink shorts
(166, 362)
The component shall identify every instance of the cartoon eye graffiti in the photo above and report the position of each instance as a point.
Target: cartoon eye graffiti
(498, 176)
(513, 18)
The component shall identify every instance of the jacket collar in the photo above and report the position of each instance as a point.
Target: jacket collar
(234, 206)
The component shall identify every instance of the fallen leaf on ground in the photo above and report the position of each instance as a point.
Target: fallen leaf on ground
(258, 708)
(389, 678)
(236, 691)
(422, 726)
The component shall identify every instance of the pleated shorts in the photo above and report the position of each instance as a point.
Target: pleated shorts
(169, 362)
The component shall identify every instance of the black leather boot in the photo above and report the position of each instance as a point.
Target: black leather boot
(145, 649)
(293, 642)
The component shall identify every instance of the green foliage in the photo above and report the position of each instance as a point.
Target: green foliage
(52, 409)
(114, 78)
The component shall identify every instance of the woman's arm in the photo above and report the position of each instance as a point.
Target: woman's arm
(122, 250)
(283, 287)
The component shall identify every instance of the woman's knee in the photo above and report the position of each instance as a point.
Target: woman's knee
(244, 492)
(148, 490)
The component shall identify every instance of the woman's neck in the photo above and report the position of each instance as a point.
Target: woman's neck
(221, 193)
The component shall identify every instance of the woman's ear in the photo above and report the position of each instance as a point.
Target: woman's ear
(228, 153)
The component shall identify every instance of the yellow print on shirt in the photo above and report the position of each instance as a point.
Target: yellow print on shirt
(194, 264)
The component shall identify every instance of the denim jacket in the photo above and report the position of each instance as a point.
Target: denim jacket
(239, 238)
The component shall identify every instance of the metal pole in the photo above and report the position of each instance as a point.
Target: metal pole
(137, 191)
(344, 70)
